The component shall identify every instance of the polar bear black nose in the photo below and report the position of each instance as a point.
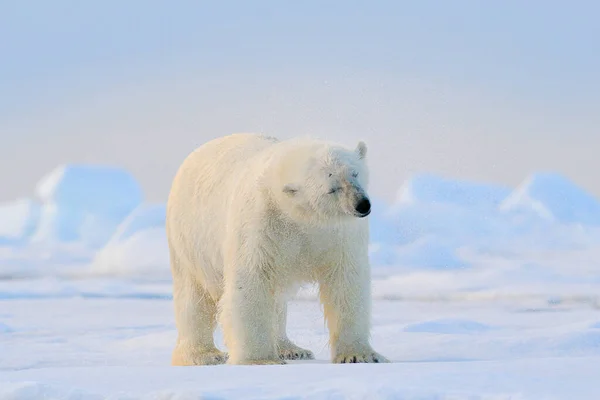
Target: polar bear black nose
(363, 207)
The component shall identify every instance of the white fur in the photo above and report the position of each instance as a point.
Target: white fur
(249, 218)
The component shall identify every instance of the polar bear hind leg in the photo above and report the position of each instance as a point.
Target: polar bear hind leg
(195, 318)
(287, 349)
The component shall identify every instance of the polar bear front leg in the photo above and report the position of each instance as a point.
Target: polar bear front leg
(288, 350)
(345, 291)
(249, 318)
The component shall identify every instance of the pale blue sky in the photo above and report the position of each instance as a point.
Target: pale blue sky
(473, 89)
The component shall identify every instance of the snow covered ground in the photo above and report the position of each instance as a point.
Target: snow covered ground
(480, 292)
(112, 339)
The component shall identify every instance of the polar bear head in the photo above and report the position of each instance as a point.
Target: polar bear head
(321, 182)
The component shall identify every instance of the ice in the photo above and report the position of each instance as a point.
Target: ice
(435, 218)
(107, 338)
(139, 245)
(427, 188)
(5, 328)
(554, 197)
(448, 326)
(515, 380)
(75, 210)
(85, 203)
(18, 220)
(144, 217)
(440, 214)
(429, 252)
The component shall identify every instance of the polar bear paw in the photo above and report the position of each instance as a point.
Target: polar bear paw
(292, 352)
(360, 357)
(212, 357)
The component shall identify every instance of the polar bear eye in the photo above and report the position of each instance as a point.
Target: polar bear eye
(330, 174)
(333, 190)
(290, 190)
(354, 174)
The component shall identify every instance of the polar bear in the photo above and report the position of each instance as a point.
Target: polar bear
(249, 218)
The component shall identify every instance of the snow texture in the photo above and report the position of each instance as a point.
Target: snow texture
(111, 339)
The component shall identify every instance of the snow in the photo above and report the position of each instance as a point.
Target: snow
(85, 203)
(426, 188)
(18, 221)
(479, 292)
(95, 339)
(411, 381)
(139, 245)
(554, 197)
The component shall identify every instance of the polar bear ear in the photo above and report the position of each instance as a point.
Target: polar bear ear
(290, 189)
(361, 149)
